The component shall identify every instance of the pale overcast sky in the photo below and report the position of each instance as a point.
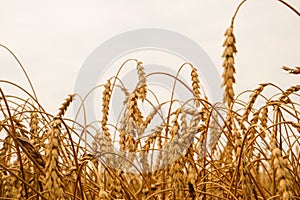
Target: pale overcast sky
(53, 38)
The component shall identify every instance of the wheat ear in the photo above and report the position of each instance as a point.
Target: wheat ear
(65, 105)
(228, 65)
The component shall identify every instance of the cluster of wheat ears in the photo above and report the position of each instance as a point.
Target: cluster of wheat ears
(242, 150)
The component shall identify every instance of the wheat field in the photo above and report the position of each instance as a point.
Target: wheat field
(196, 150)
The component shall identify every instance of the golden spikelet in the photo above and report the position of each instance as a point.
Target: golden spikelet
(142, 84)
(124, 124)
(296, 70)
(106, 95)
(252, 131)
(285, 96)
(130, 143)
(34, 124)
(175, 125)
(245, 182)
(228, 65)
(176, 173)
(251, 102)
(134, 111)
(215, 132)
(196, 86)
(264, 120)
(53, 180)
(149, 117)
(283, 177)
(281, 171)
(65, 106)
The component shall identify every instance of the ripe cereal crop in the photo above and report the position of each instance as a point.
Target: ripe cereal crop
(252, 151)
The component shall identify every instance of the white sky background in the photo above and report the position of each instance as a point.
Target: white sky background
(53, 38)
